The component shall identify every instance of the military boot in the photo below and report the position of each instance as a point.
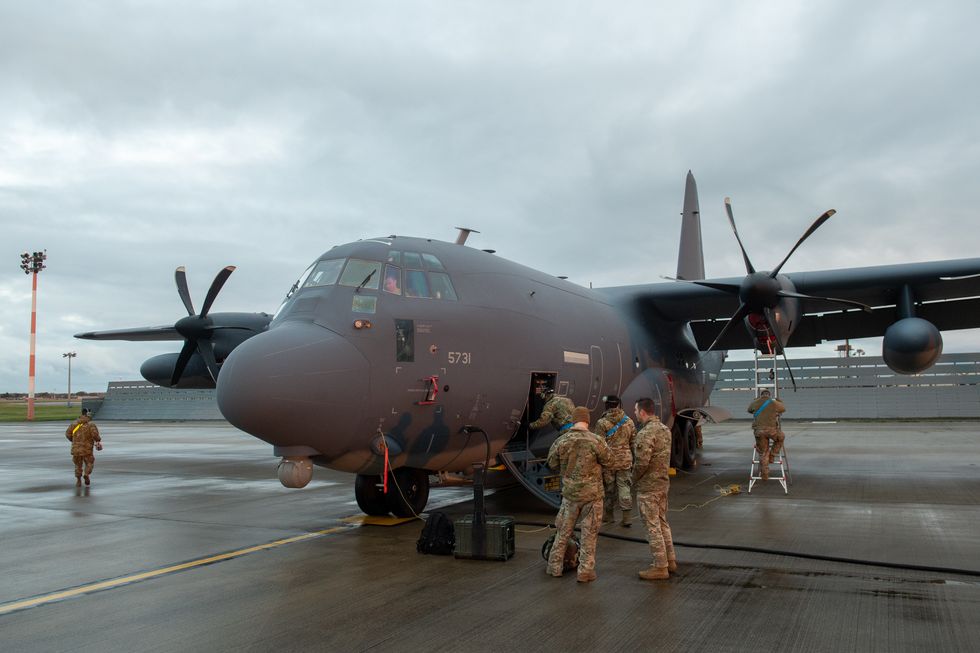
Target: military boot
(608, 515)
(87, 481)
(78, 481)
(627, 518)
(655, 573)
(671, 565)
(586, 576)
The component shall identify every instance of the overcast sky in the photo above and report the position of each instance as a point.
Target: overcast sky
(139, 136)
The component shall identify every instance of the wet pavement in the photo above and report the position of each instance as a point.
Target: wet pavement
(186, 541)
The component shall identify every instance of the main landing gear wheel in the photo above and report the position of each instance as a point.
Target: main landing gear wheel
(678, 444)
(690, 436)
(414, 485)
(370, 495)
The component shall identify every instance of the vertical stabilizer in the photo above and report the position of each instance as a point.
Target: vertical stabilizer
(690, 257)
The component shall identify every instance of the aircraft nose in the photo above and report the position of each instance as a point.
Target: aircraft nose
(295, 385)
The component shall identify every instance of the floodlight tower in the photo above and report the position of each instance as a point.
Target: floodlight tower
(32, 264)
(69, 355)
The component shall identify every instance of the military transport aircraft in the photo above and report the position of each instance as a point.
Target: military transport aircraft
(403, 357)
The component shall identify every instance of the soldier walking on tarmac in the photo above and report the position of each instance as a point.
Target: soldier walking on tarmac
(579, 455)
(652, 480)
(83, 435)
(765, 426)
(619, 432)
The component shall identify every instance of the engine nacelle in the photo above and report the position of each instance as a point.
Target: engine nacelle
(295, 471)
(160, 369)
(911, 345)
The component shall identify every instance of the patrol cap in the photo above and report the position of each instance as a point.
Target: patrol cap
(612, 401)
(580, 414)
(764, 393)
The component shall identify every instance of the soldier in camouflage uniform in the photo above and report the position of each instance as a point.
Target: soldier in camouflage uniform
(765, 427)
(557, 410)
(619, 432)
(652, 480)
(83, 435)
(579, 454)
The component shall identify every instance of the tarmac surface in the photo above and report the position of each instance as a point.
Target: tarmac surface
(186, 541)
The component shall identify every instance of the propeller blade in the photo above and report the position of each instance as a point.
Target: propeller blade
(809, 232)
(779, 342)
(180, 276)
(731, 220)
(219, 281)
(185, 355)
(207, 353)
(847, 302)
(731, 288)
(735, 319)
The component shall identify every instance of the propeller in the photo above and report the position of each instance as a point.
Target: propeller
(760, 292)
(197, 329)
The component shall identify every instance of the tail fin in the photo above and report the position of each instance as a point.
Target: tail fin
(690, 257)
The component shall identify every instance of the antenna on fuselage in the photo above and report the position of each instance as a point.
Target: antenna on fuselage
(464, 233)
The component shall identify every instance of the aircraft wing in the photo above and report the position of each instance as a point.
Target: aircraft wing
(949, 292)
(139, 334)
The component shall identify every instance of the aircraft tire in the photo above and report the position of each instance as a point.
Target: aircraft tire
(414, 485)
(370, 497)
(690, 437)
(678, 446)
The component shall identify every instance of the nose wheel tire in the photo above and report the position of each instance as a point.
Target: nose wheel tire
(370, 495)
(414, 485)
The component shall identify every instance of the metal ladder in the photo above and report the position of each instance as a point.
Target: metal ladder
(767, 378)
(781, 461)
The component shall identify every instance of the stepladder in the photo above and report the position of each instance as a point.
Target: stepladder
(778, 468)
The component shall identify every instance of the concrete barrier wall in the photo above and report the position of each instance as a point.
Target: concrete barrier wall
(860, 387)
(139, 400)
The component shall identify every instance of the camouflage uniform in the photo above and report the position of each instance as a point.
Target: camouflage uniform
(616, 476)
(765, 426)
(652, 481)
(83, 435)
(579, 454)
(558, 411)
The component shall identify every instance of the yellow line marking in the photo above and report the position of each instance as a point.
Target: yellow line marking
(126, 580)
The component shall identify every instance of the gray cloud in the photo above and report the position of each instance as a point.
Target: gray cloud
(137, 137)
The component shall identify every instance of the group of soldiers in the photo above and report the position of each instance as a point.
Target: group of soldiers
(605, 467)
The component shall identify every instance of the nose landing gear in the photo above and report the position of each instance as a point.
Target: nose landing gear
(408, 492)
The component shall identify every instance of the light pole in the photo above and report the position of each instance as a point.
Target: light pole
(32, 264)
(69, 355)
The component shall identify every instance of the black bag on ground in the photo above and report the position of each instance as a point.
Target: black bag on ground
(437, 536)
(570, 561)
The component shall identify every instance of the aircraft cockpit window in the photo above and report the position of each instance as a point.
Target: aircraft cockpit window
(432, 263)
(324, 274)
(361, 274)
(412, 260)
(393, 280)
(415, 283)
(442, 287)
(395, 258)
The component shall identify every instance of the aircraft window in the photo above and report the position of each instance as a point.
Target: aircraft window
(413, 260)
(393, 280)
(324, 274)
(394, 257)
(415, 284)
(442, 287)
(405, 341)
(432, 263)
(365, 304)
(358, 270)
